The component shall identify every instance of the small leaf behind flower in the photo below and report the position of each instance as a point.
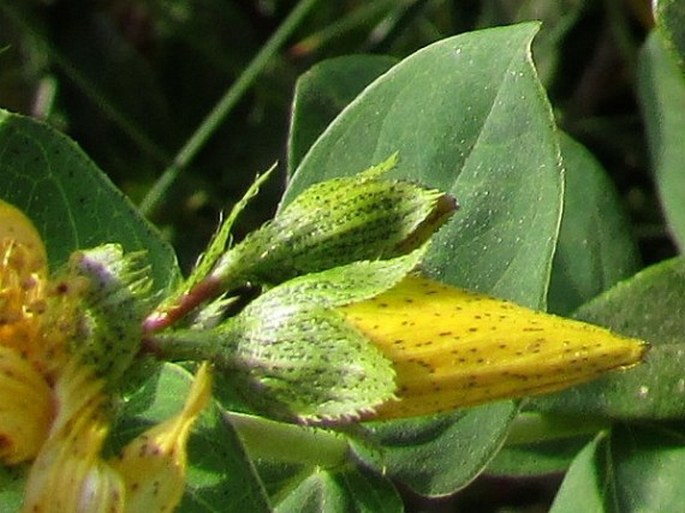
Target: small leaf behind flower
(452, 348)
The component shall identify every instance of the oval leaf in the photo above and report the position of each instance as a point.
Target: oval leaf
(72, 203)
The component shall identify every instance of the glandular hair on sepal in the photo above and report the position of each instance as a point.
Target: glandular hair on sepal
(117, 298)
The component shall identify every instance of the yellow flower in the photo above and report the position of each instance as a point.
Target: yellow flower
(55, 408)
(452, 348)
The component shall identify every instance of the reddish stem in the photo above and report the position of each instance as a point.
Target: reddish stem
(189, 301)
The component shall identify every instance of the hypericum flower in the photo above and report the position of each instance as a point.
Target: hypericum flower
(56, 373)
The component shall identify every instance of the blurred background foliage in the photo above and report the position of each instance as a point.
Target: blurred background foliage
(131, 80)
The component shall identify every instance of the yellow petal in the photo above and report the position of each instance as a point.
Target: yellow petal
(26, 408)
(153, 465)
(21, 299)
(15, 226)
(68, 474)
(452, 348)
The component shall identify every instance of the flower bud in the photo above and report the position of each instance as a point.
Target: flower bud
(336, 222)
(452, 348)
(292, 355)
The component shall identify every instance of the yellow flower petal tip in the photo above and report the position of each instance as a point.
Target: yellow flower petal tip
(153, 465)
(452, 348)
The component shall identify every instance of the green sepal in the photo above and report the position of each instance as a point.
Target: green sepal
(308, 364)
(222, 238)
(116, 299)
(334, 223)
(292, 356)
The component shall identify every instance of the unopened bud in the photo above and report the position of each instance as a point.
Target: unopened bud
(336, 222)
(292, 355)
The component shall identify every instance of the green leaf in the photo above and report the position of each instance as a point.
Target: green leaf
(220, 475)
(534, 459)
(438, 455)
(587, 482)
(661, 87)
(541, 443)
(649, 466)
(558, 19)
(72, 203)
(322, 92)
(353, 490)
(648, 306)
(670, 19)
(634, 470)
(595, 248)
(468, 116)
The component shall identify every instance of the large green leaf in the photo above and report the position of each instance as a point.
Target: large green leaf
(558, 20)
(72, 203)
(588, 481)
(649, 306)
(661, 87)
(595, 248)
(536, 458)
(539, 444)
(220, 476)
(323, 91)
(649, 468)
(467, 115)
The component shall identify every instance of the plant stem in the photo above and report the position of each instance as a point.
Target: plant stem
(535, 427)
(291, 443)
(217, 115)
